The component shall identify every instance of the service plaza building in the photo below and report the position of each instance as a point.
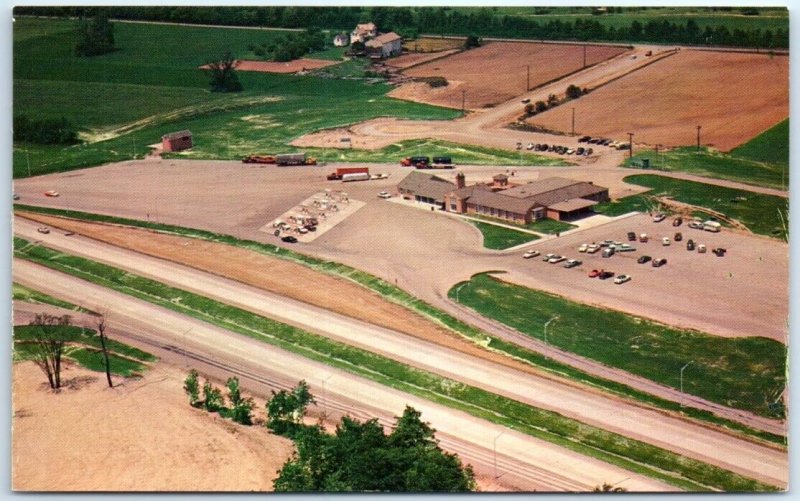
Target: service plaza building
(554, 197)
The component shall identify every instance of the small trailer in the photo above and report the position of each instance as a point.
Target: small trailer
(294, 159)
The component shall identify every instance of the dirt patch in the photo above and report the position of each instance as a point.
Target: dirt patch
(498, 71)
(281, 277)
(433, 44)
(732, 96)
(414, 58)
(302, 64)
(139, 436)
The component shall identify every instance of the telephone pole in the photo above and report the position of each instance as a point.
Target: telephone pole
(630, 144)
(698, 138)
(573, 120)
(463, 102)
(584, 55)
(528, 82)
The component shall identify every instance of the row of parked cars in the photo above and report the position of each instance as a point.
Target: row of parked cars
(555, 148)
(602, 141)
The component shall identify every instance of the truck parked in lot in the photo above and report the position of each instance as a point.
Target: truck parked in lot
(442, 163)
(341, 171)
(418, 162)
(355, 176)
(259, 159)
(712, 226)
(294, 159)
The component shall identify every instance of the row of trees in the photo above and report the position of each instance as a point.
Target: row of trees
(358, 457)
(572, 92)
(443, 20)
(45, 130)
(292, 46)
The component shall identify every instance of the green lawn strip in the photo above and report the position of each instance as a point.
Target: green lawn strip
(499, 238)
(547, 425)
(401, 297)
(759, 212)
(633, 203)
(548, 226)
(771, 146)
(332, 53)
(743, 373)
(28, 295)
(93, 360)
(718, 165)
(89, 337)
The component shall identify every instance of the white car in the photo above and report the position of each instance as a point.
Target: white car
(384, 195)
(593, 248)
(621, 279)
(665, 241)
(658, 217)
(556, 259)
(583, 248)
(530, 254)
(530, 146)
(548, 257)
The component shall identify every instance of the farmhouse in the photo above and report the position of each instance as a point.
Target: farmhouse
(425, 188)
(555, 197)
(363, 32)
(177, 141)
(386, 45)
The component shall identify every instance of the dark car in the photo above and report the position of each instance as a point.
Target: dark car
(584, 139)
(289, 239)
(719, 251)
(580, 150)
(605, 275)
(643, 259)
(659, 262)
(678, 236)
(690, 245)
(677, 221)
(631, 236)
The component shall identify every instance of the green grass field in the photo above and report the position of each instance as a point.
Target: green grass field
(637, 456)
(763, 161)
(22, 293)
(760, 213)
(499, 238)
(744, 373)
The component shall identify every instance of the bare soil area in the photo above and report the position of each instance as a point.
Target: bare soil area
(732, 96)
(498, 71)
(142, 435)
(302, 64)
(413, 58)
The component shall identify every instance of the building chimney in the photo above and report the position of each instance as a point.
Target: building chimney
(460, 181)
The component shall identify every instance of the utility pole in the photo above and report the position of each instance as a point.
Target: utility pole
(463, 102)
(698, 138)
(657, 146)
(28, 158)
(528, 83)
(630, 144)
(495, 453)
(682, 369)
(584, 55)
(573, 120)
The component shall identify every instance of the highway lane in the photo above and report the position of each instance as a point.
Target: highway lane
(687, 438)
(550, 465)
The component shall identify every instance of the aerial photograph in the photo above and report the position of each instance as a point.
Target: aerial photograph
(399, 249)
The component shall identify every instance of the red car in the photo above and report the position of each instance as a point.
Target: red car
(594, 273)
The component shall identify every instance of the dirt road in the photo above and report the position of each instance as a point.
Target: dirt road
(654, 427)
(556, 467)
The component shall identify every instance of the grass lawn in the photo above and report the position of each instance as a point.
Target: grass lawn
(332, 53)
(84, 347)
(22, 293)
(641, 203)
(397, 295)
(771, 146)
(627, 453)
(549, 226)
(758, 212)
(498, 238)
(743, 373)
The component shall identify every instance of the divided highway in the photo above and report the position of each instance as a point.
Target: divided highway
(687, 438)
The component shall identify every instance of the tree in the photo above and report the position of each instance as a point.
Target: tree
(95, 37)
(223, 74)
(541, 106)
(191, 386)
(48, 345)
(212, 397)
(472, 41)
(101, 330)
(552, 100)
(285, 409)
(574, 92)
(242, 408)
(530, 109)
(608, 488)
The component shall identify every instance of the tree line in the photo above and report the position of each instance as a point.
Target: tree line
(443, 20)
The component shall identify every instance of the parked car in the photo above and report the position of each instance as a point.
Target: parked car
(584, 139)
(530, 146)
(605, 274)
(572, 263)
(677, 221)
(16, 197)
(69, 233)
(608, 252)
(384, 195)
(631, 236)
(583, 248)
(659, 262)
(594, 273)
(526, 101)
(43, 229)
(701, 248)
(678, 236)
(658, 217)
(621, 279)
(719, 251)
(588, 151)
(625, 248)
(606, 243)
(548, 257)
(690, 245)
(665, 241)
(519, 145)
(289, 239)
(530, 254)
(580, 150)
(643, 259)
(593, 247)
(556, 259)
(697, 225)
(51, 193)
(643, 238)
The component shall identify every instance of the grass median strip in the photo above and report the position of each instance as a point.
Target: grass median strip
(401, 297)
(499, 238)
(636, 456)
(28, 295)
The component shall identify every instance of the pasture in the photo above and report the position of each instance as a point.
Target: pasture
(731, 96)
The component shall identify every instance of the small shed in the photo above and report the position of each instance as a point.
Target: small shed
(341, 40)
(177, 141)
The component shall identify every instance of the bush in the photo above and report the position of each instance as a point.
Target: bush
(472, 41)
(541, 106)
(574, 92)
(45, 131)
(192, 388)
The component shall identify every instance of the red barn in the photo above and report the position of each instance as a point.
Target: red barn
(177, 141)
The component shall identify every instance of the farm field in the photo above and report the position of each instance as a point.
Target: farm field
(302, 64)
(497, 71)
(733, 97)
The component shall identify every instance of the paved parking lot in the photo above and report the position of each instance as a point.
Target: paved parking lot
(742, 294)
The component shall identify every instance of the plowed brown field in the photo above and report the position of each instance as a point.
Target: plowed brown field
(732, 96)
(497, 71)
(302, 64)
